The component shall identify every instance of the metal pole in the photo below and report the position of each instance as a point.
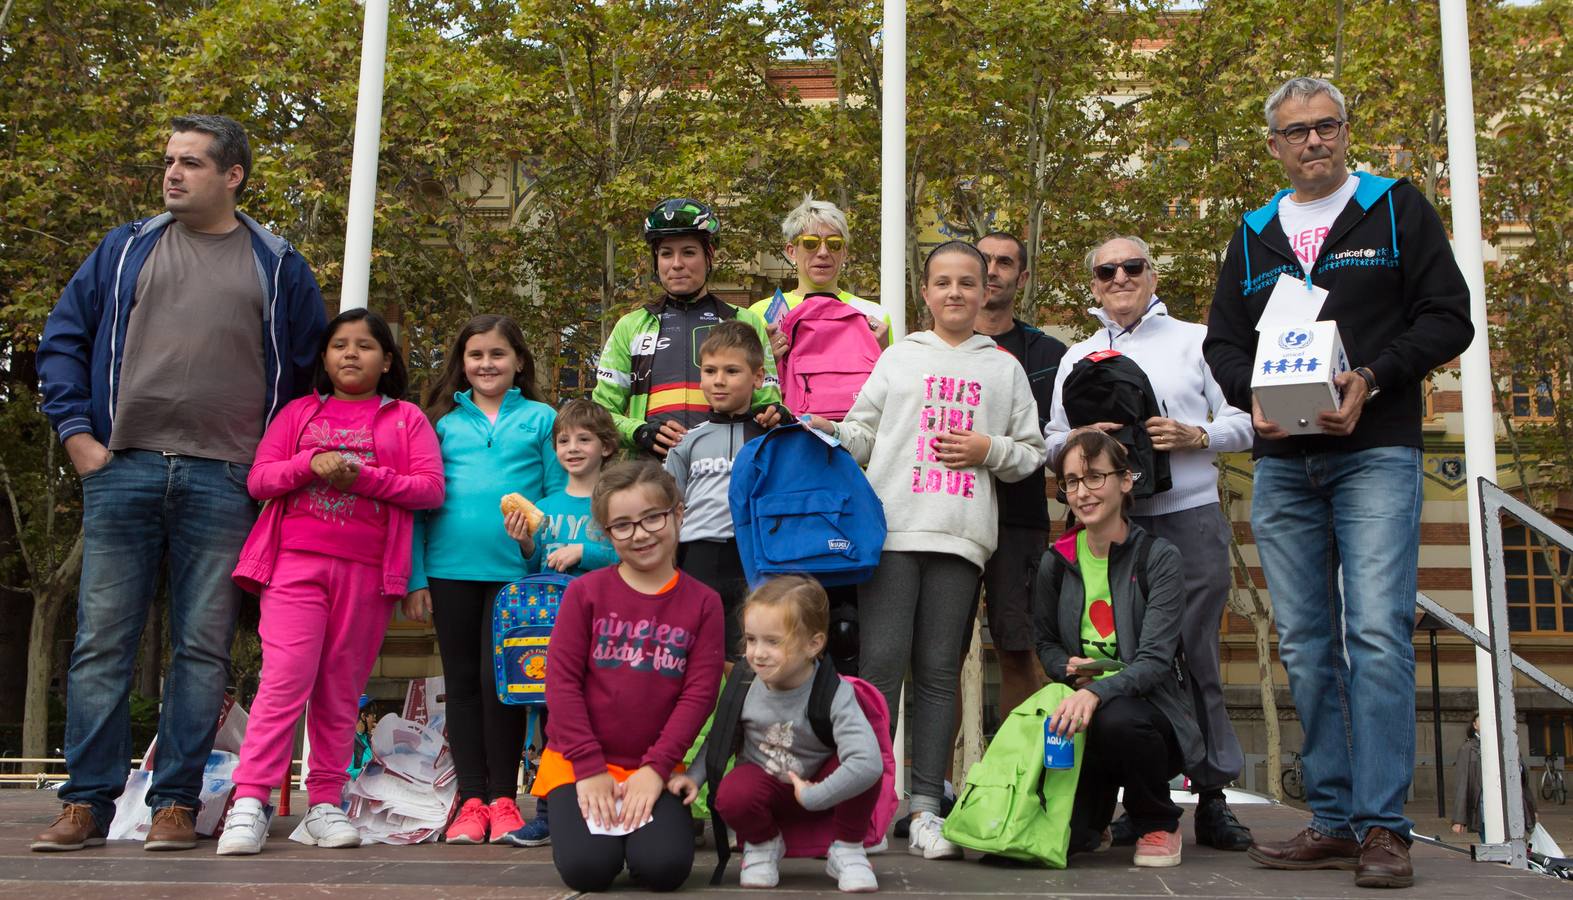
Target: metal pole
(1480, 450)
(1436, 728)
(363, 164)
(893, 171)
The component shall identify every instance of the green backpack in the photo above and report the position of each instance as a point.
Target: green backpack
(1011, 805)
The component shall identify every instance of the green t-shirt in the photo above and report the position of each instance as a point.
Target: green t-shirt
(1097, 616)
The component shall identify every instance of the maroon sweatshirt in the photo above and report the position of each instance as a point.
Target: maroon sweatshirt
(631, 677)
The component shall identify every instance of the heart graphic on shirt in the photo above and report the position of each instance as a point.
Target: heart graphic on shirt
(1101, 614)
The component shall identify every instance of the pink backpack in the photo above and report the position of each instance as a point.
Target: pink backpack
(832, 353)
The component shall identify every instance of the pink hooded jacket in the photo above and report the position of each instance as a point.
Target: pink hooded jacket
(409, 477)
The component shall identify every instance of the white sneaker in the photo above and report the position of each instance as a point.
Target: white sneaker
(327, 826)
(927, 840)
(848, 865)
(245, 828)
(759, 863)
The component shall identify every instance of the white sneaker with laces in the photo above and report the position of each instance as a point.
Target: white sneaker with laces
(327, 826)
(245, 828)
(927, 840)
(760, 869)
(848, 864)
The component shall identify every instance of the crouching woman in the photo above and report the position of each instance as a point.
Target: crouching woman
(1107, 606)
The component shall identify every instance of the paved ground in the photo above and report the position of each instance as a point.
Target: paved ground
(285, 870)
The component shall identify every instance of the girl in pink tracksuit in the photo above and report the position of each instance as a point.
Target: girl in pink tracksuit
(340, 471)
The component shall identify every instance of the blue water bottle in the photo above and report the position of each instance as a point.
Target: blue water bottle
(1058, 752)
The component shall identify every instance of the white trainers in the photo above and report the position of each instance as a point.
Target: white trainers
(927, 840)
(760, 869)
(848, 865)
(245, 828)
(327, 826)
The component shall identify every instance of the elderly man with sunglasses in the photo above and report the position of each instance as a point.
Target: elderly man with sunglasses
(1196, 425)
(816, 243)
(1349, 496)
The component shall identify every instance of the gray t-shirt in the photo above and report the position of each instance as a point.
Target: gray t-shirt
(778, 738)
(192, 378)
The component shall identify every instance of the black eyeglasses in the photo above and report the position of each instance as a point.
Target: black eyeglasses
(652, 524)
(1327, 129)
(1133, 267)
(1093, 481)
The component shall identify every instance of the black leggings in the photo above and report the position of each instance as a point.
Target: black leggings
(717, 564)
(485, 736)
(1129, 744)
(659, 856)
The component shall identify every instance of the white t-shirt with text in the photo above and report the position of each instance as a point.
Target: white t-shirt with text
(1307, 224)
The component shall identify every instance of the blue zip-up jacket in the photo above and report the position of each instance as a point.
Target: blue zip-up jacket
(464, 540)
(85, 337)
(1401, 304)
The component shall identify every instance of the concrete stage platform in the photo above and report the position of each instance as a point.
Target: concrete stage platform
(124, 871)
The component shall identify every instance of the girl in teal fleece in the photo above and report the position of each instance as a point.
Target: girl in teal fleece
(496, 436)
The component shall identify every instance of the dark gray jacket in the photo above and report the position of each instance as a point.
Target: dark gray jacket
(1146, 627)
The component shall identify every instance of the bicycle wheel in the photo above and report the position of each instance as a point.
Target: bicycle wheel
(1561, 789)
(1293, 784)
(1547, 788)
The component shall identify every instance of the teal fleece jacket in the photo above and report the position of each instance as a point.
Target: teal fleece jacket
(464, 540)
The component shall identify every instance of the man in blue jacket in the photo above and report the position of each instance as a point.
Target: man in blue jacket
(1350, 495)
(169, 351)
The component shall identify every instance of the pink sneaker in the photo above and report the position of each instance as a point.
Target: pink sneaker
(1158, 849)
(505, 819)
(469, 826)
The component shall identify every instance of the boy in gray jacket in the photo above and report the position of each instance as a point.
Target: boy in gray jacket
(731, 367)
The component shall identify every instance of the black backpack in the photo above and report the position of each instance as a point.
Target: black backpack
(1109, 386)
(726, 736)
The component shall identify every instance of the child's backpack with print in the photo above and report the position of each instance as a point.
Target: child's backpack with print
(1109, 386)
(806, 836)
(1012, 805)
(522, 618)
(803, 507)
(832, 353)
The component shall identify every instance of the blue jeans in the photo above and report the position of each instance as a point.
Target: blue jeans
(139, 509)
(1348, 652)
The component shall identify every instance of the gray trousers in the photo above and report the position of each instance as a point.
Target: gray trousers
(1202, 535)
(917, 609)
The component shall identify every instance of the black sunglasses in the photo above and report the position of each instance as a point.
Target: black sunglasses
(1132, 267)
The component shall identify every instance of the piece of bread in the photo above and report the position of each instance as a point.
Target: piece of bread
(516, 503)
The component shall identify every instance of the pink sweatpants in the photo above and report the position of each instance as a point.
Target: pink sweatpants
(323, 620)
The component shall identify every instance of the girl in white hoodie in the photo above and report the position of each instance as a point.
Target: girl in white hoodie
(944, 414)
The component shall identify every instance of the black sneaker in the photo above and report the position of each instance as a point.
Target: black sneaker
(1122, 832)
(1217, 827)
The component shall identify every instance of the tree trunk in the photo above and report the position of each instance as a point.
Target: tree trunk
(969, 740)
(50, 595)
(1262, 626)
(150, 656)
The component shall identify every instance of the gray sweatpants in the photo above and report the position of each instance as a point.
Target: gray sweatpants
(917, 609)
(1202, 535)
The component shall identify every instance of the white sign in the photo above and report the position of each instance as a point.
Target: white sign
(1293, 301)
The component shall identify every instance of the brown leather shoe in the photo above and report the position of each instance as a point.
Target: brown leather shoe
(1384, 861)
(173, 828)
(1310, 849)
(74, 829)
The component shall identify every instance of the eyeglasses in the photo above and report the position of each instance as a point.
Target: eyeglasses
(1133, 267)
(810, 242)
(1092, 480)
(1327, 129)
(654, 523)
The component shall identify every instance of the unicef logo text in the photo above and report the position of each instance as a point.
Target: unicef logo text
(1294, 339)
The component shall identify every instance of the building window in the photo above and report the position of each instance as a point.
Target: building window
(1533, 402)
(1536, 600)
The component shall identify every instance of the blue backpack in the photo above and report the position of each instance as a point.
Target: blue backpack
(522, 618)
(803, 507)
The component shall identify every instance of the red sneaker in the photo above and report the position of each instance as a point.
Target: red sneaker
(505, 819)
(1158, 849)
(469, 826)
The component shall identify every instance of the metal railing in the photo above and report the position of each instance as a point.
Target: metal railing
(1498, 643)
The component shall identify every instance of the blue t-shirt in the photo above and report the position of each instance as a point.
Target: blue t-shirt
(568, 521)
